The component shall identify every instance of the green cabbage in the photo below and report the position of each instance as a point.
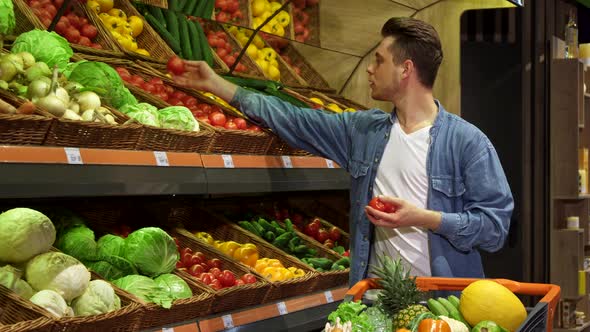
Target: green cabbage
(99, 298)
(24, 233)
(112, 267)
(104, 80)
(48, 47)
(58, 272)
(52, 302)
(178, 117)
(144, 113)
(10, 278)
(23, 289)
(78, 242)
(111, 245)
(174, 285)
(152, 251)
(146, 289)
(7, 20)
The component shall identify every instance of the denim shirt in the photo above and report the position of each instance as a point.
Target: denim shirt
(466, 181)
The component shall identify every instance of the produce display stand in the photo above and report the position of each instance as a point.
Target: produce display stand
(540, 317)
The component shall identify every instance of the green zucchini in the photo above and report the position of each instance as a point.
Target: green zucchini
(173, 5)
(208, 11)
(185, 41)
(200, 8)
(172, 42)
(190, 7)
(195, 37)
(157, 13)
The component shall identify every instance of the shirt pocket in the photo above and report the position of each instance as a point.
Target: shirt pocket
(358, 169)
(449, 186)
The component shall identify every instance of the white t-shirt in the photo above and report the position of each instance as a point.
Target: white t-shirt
(402, 174)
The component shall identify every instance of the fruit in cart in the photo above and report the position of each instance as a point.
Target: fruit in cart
(487, 326)
(479, 303)
(400, 293)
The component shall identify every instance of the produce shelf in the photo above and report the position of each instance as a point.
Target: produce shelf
(299, 313)
(72, 172)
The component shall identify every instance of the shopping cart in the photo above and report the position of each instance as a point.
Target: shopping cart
(540, 317)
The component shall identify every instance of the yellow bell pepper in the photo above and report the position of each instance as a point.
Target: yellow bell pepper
(275, 263)
(229, 247)
(273, 273)
(261, 264)
(297, 272)
(246, 255)
(205, 237)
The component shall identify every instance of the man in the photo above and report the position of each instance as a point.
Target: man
(447, 184)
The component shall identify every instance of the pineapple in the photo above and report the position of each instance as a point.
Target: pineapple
(400, 295)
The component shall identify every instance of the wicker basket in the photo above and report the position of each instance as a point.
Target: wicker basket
(346, 102)
(231, 298)
(313, 25)
(198, 305)
(311, 76)
(18, 314)
(278, 147)
(325, 280)
(21, 129)
(155, 3)
(27, 20)
(221, 229)
(148, 39)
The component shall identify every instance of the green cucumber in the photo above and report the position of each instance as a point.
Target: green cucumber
(454, 301)
(161, 30)
(172, 24)
(185, 40)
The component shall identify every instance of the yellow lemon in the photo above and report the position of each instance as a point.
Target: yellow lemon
(284, 18)
(105, 5)
(233, 30)
(258, 7)
(274, 6)
(274, 73)
(262, 64)
(93, 6)
(258, 42)
(142, 51)
(243, 40)
(117, 13)
(334, 108)
(350, 110)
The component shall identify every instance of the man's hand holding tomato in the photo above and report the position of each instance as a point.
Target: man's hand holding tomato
(198, 75)
(401, 214)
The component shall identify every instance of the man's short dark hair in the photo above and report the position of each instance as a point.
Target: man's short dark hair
(417, 41)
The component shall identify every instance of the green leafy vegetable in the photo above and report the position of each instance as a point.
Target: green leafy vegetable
(7, 20)
(353, 312)
(174, 285)
(99, 298)
(55, 50)
(146, 289)
(78, 242)
(152, 251)
(111, 245)
(178, 117)
(103, 80)
(24, 233)
(58, 272)
(142, 112)
(52, 302)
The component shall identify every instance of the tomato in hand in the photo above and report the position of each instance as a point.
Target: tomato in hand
(176, 66)
(378, 204)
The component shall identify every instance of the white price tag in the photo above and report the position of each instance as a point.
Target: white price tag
(73, 155)
(287, 162)
(329, 163)
(228, 322)
(161, 158)
(228, 162)
(282, 308)
(167, 329)
(329, 297)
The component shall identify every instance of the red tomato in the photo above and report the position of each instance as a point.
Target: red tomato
(156, 81)
(230, 125)
(202, 257)
(227, 278)
(121, 70)
(206, 278)
(137, 80)
(72, 35)
(215, 271)
(204, 118)
(239, 282)
(229, 59)
(196, 270)
(221, 52)
(322, 235)
(214, 262)
(176, 65)
(61, 27)
(254, 128)
(179, 94)
(378, 204)
(217, 119)
(334, 234)
(179, 264)
(162, 95)
(248, 278)
(216, 284)
(89, 31)
(206, 108)
(169, 89)
(84, 41)
(241, 123)
(187, 259)
(197, 259)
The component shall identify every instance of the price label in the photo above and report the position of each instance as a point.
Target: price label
(161, 158)
(228, 162)
(329, 163)
(329, 297)
(228, 322)
(167, 329)
(73, 155)
(282, 308)
(287, 162)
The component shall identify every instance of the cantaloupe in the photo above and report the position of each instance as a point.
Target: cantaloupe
(489, 300)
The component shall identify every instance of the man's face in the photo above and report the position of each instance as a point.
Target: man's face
(384, 75)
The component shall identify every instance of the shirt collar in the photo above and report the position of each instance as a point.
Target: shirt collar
(440, 117)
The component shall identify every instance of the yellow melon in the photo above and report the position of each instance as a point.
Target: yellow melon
(488, 300)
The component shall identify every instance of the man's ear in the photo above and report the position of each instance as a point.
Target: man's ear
(408, 68)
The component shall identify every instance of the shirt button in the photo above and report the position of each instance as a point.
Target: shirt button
(376, 160)
(365, 239)
(362, 263)
(387, 135)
